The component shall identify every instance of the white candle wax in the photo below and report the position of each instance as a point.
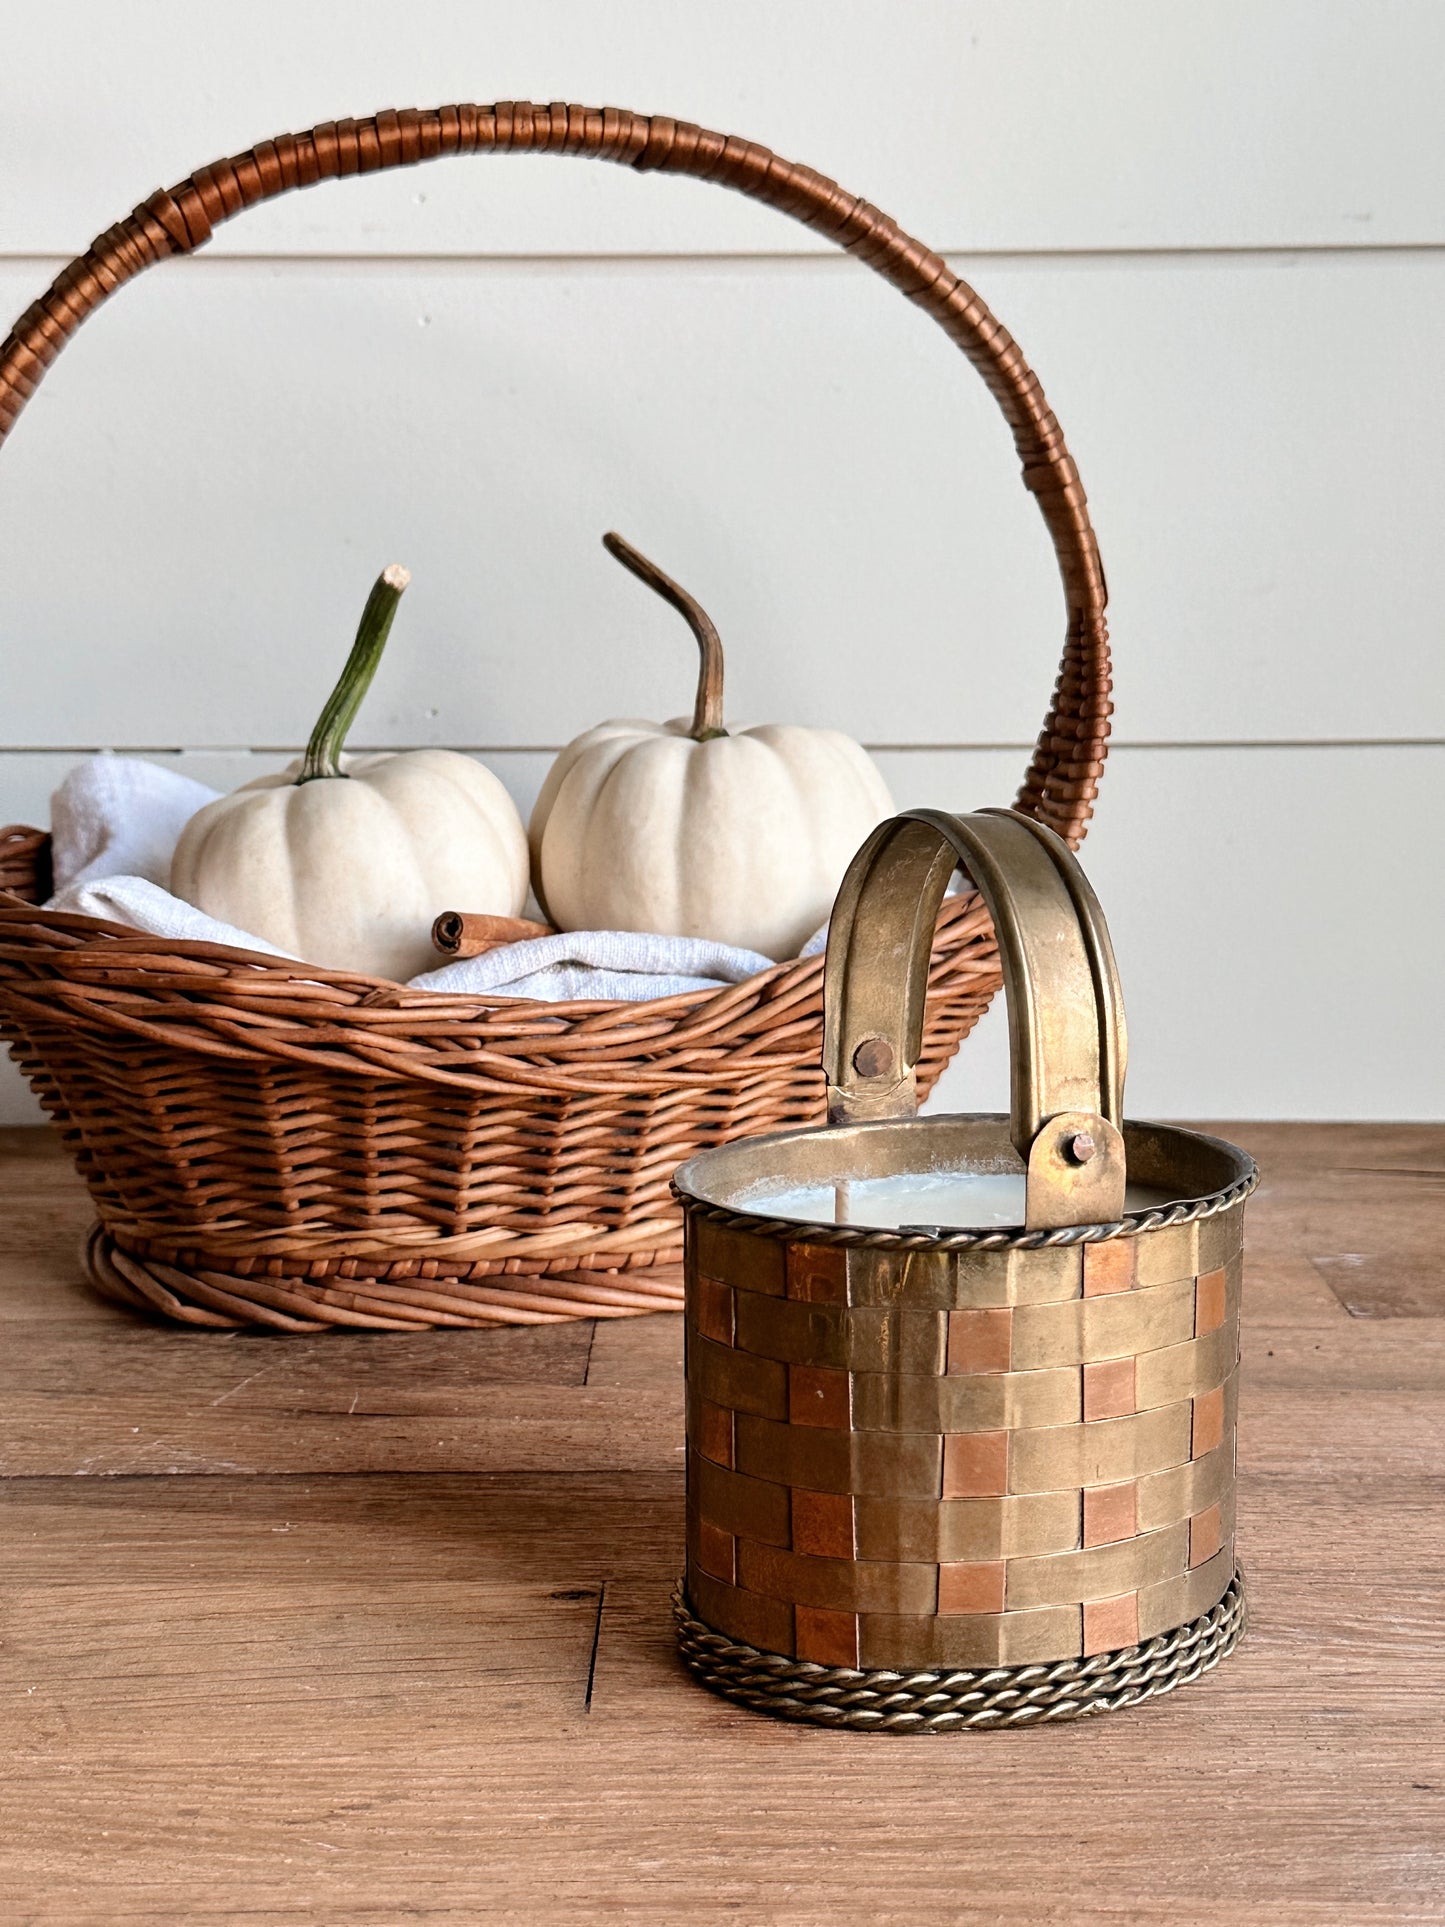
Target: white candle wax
(972, 1200)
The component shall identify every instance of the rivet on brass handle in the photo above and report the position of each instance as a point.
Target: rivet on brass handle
(1066, 1013)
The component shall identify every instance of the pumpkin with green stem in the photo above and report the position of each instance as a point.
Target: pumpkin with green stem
(346, 861)
(687, 829)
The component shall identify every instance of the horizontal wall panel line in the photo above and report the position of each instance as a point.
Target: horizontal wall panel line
(1118, 743)
(1116, 747)
(1280, 253)
(809, 455)
(1279, 957)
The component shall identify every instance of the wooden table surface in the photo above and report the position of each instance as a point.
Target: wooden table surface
(371, 1628)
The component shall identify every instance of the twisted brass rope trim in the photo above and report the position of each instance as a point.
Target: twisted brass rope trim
(941, 1702)
(873, 1238)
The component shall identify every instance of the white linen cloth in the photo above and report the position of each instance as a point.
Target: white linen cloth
(115, 821)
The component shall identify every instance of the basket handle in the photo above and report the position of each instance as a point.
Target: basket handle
(1063, 777)
(1066, 1012)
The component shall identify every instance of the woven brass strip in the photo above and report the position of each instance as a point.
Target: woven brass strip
(950, 1279)
(1117, 1325)
(738, 1380)
(1220, 1239)
(1183, 1490)
(1025, 1525)
(862, 1339)
(1182, 1371)
(827, 1458)
(843, 1585)
(959, 1701)
(1160, 1257)
(923, 1530)
(739, 1257)
(1101, 1452)
(753, 1616)
(966, 1402)
(971, 1639)
(923, 1401)
(1099, 1572)
(887, 1465)
(1019, 1401)
(1174, 1600)
(947, 1280)
(754, 1508)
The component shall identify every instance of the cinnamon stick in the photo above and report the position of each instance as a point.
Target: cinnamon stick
(464, 933)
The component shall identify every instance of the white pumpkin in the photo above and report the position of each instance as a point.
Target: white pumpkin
(346, 861)
(685, 829)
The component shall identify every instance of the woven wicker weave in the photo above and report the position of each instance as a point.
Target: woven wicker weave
(302, 1148)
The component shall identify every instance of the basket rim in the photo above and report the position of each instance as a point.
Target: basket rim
(107, 939)
(216, 1001)
(861, 1237)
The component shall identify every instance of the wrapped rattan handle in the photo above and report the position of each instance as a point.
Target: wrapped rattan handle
(1066, 1012)
(1061, 782)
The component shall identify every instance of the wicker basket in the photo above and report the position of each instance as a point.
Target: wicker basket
(274, 1144)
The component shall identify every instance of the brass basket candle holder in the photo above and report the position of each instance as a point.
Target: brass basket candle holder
(965, 1476)
(278, 1144)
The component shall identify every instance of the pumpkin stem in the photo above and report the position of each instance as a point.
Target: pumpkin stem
(707, 713)
(323, 752)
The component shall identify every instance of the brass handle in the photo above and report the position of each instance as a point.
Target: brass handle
(1066, 1011)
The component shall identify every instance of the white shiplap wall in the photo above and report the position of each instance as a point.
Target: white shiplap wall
(1217, 231)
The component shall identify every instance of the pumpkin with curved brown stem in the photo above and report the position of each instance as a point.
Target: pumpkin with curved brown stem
(687, 829)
